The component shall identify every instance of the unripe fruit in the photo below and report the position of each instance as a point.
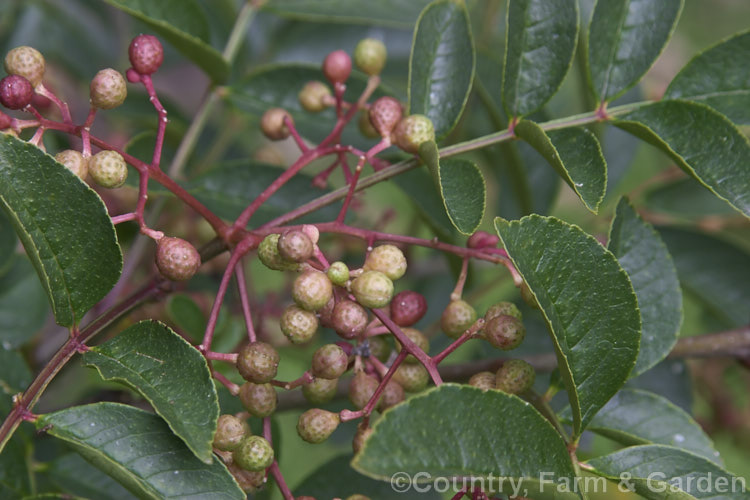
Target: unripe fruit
(313, 96)
(412, 131)
(253, 453)
(412, 377)
(259, 399)
(268, 253)
(177, 259)
(365, 126)
(295, 246)
(312, 290)
(338, 273)
(5, 121)
(329, 361)
(258, 362)
(349, 319)
(298, 325)
(408, 307)
(504, 332)
(482, 239)
(27, 62)
(312, 232)
(388, 259)
(337, 66)
(361, 389)
(418, 338)
(108, 89)
(146, 54)
(320, 390)
(457, 317)
(249, 481)
(373, 289)
(272, 124)
(507, 308)
(385, 113)
(108, 169)
(380, 347)
(483, 380)
(315, 425)
(74, 161)
(326, 314)
(16, 92)
(229, 432)
(393, 394)
(516, 376)
(363, 432)
(357, 496)
(370, 55)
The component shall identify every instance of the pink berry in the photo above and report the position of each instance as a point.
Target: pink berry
(5, 121)
(16, 92)
(146, 54)
(337, 66)
(385, 113)
(177, 259)
(408, 307)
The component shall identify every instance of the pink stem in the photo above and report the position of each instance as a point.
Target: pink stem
(162, 126)
(347, 415)
(306, 378)
(478, 324)
(295, 135)
(117, 219)
(233, 388)
(62, 106)
(276, 473)
(458, 291)
(245, 301)
(229, 357)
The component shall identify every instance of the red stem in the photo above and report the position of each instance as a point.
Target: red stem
(347, 415)
(162, 126)
(245, 302)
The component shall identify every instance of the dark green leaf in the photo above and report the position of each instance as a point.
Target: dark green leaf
(383, 12)
(625, 38)
(15, 375)
(64, 227)
(478, 434)
(139, 450)
(170, 373)
(187, 315)
(427, 200)
(576, 156)
(670, 379)
(8, 242)
(441, 67)
(15, 469)
(652, 469)
(23, 304)
(183, 24)
(540, 41)
(714, 77)
(686, 198)
(588, 303)
(703, 142)
(645, 258)
(74, 475)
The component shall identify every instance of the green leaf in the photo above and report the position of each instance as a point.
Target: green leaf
(8, 242)
(588, 303)
(714, 77)
(441, 66)
(540, 40)
(645, 258)
(576, 156)
(427, 201)
(686, 199)
(64, 227)
(23, 304)
(670, 379)
(170, 373)
(187, 315)
(383, 12)
(703, 142)
(652, 469)
(15, 374)
(139, 450)
(478, 434)
(625, 38)
(74, 475)
(183, 24)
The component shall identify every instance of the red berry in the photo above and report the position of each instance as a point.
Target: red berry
(349, 319)
(5, 121)
(385, 113)
(146, 54)
(408, 307)
(177, 259)
(16, 92)
(337, 66)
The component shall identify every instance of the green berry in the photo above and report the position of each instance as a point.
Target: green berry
(27, 62)
(259, 399)
(384, 115)
(229, 432)
(314, 96)
(349, 319)
(108, 89)
(412, 377)
(363, 432)
(315, 425)
(298, 325)
(338, 273)
(295, 246)
(380, 347)
(268, 253)
(370, 55)
(373, 289)
(361, 389)
(320, 390)
(393, 394)
(483, 380)
(74, 161)
(412, 131)
(253, 453)
(329, 361)
(357, 496)
(503, 308)
(457, 317)
(504, 332)
(312, 290)
(249, 481)
(108, 169)
(272, 124)
(258, 362)
(365, 125)
(516, 376)
(418, 338)
(177, 259)
(388, 259)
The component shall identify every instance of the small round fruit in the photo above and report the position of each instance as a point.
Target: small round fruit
(268, 253)
(408, 307)
(295, 246)
(146, 54)
(326, 314)
(385, 113)
(314, 96)
(177, 259)
(258, 362)
(229, 432)
(388, 259)
(380, 347)
(483, 380)
(457, 317)
(349, 319)
(108, 89)
(5, 121)
(338, 273)
(16, 92)
(108, 169)
(253, 453)
(329, 361)
(363, 432)
(320, 390)
(373, 289)
(74, 161)
(298, 325)
(504, 332)
(507, 308)
(418, 338)
(27, 62)
(370, 55)
(412, 377)
(393, 394)
(315, 425)
(357, 496)
(365, 126)
(249, 481)
(272, 124)
(337, 66)
(259, 399)
(412, 131)
(361, 389)
(312, 290)
(516, 376)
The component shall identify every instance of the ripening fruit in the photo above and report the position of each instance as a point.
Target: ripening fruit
(298, 325)
(516, 376)
(412, 377)
(16, 92)
(349, 319)
(384, 115)
(504, 332)
(258, 362)
(5, 121)
(337, 66)
(483, 380)
(418, 338)
(253, 453)
(373, 289)
(338, 273)
(363, 432)
(388, 259)
(229, 432)
(268, 253)
(259, 399)
(314, 96)
(408, 307)
(312, 290)
(507, 308)
(272, 124)
(361, 389)
(329, 361)
(380, 347)
(248, 481)
(108, 169)
(370, 55)
(392, 395)
(457, 317)
(295, 246)
(412, 131)
(108, 89)
(365, 126)
(146, 54)
(27, 62)
(74, 161)
(357, 496)
(320, 390)
(177, 259)
(315, 425)
(326, 314)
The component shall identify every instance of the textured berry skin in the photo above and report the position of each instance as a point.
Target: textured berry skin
(482, 239)
(74, 161)
(507, 308)
(312, 290)
(146, 54)
(320, 390)
(385, 113)
(412, 131)
(337, 66)
(295, 246)
(258, 362)
(380, 347)
(412, 377)
(268, 253)
(326, 314)
(365, 125)
(329, 361)
(516, 376)
(370, 55)
(388, 259)
(363, 432)
(338, 273)
(357, 496)
(298, 325)
(27, 62)
(373, 289)
(313, 96)
(349, 319)
(177, 259)
(259, 399)
(315, 425)
(457, 317)
(108, 169)
(254, 453)
(504, 332)
(16, 92)
(418, 338)
(483, 380)
(393, 394)
(229, 432)
(361, 389)
(272, 124)
(408, 307)
(248, 481)
(108, 89)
